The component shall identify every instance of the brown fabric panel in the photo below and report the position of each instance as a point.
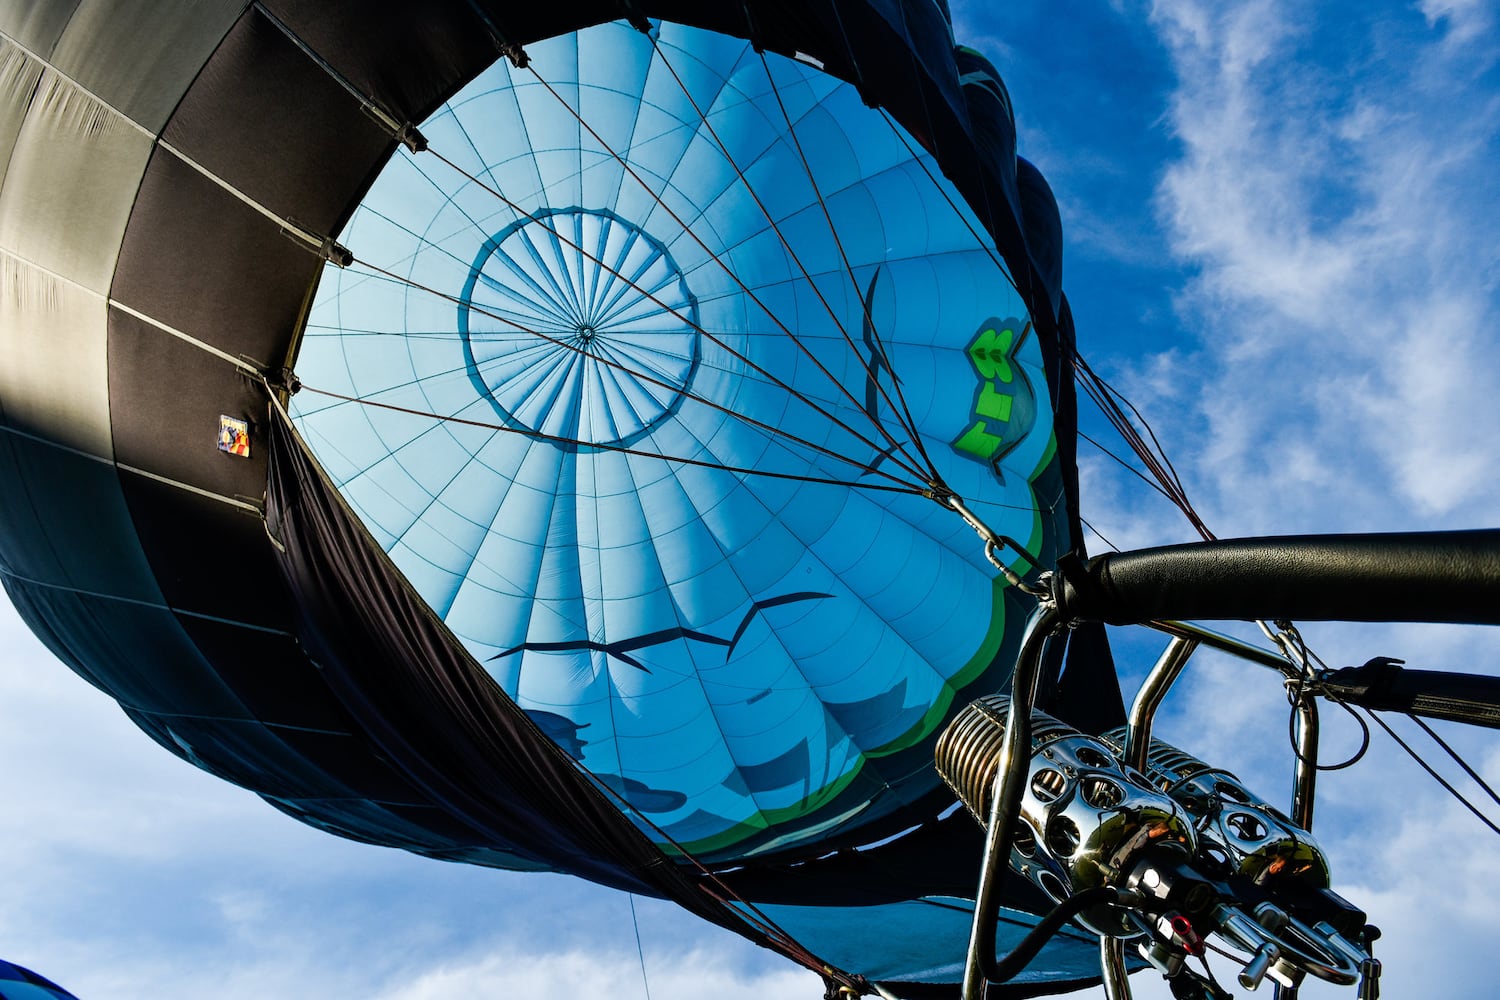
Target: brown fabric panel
(167, 397)
(271, 122)
(202, 262)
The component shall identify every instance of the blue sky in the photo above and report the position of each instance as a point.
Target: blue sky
(1280, 244)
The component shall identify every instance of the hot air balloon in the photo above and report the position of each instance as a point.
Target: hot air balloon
(638, 542)
(17, 983)
(614, 439)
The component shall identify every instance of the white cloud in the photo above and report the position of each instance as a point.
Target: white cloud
(1467, 20)
(691, 974)
(1335, 215)
(1331, 207)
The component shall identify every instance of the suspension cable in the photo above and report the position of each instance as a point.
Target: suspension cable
(556, 439)
(687, 230)
(786, 245)
(1433, 773)
(903, 411)
(559, 342)
(1163, 476)
(1113, 405)
(1457, 758)
(718, 341)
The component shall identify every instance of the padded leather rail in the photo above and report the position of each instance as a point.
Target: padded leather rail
(1414, 577)
(1383, 685)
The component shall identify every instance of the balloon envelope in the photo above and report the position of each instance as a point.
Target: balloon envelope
(17, 983)
(661, 353)
(682, 353)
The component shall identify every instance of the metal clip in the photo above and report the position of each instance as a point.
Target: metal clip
(992, 543)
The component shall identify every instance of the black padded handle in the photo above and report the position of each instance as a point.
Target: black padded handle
(1382, 684)
(1444, 576)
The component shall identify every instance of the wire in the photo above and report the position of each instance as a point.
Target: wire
(677, 314)
(1456, 758)
(1359, 755)
(1435, 776)
(1030, 946)
(1293, 643)
(1135, 430)
(555, 439)
(688, 231)
(1099, 534)
(1300, 655)
(903, 412)
(639, 949)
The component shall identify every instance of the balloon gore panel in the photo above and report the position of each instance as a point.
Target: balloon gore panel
(657, 355)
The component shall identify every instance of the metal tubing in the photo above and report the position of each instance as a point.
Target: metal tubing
(1228, 644)
(1137, 745)
(1112, 966)
(1307, 762)
(1015, 751)
(1307, 708)
(1149, 698)
(1005, 802)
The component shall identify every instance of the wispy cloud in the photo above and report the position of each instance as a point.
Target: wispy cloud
(1333, 199)
(1329, 205)
(505, 972)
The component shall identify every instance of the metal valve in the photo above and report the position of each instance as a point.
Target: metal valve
(1255, 970)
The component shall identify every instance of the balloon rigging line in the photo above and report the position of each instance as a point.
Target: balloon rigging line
(871, 373)
(556, 439)
(631, 283)
(985, 243)
(749, 293)
(628, 283)
(1109, 544)
(1109, 400)
(1432, 772)
(714, 886)
(715, 339)
(903, 412)
(1457, 758)
(550, 310)
(640, 950)
(1410, 751)
(1167, 481)
(774, 431)
(1153, 484)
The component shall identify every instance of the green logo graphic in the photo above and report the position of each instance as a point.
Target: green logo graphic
(1004, 409)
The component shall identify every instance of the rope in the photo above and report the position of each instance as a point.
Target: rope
(687, 230)
(688, 321)
(539, 436)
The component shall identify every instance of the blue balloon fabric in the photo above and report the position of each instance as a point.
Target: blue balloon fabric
(17, 983)
(654, 361)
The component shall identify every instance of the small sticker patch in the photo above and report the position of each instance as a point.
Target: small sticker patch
(234, 436)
